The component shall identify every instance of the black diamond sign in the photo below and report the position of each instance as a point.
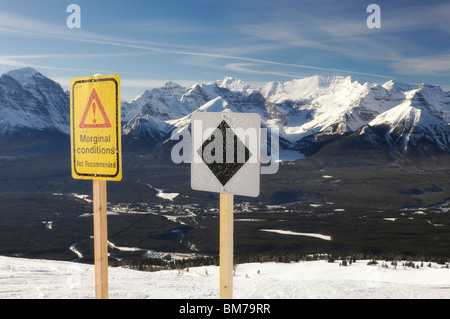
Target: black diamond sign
(224, 153)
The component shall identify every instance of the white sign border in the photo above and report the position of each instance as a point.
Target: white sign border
(246, 182)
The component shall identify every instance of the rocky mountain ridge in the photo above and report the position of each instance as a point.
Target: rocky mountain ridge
(304, 110)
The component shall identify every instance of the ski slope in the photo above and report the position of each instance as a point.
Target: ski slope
(37, 279)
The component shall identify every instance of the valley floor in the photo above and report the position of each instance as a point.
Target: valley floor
(36, 279)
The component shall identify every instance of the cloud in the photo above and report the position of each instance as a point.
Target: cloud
(406, 32)
(245, 67)
(431, 16)
(166, 26)
(21, 60)
(250, 68)
(27, 27)
(437, 65)
(127, 82)
(11, 23)
(341, 36)
(11, 62)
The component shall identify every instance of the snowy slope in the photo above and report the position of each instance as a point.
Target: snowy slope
(235, 85)
(423, 114)
(327, 105)
(162, 103)
(147, 126)
(36, 279)
(29, 99)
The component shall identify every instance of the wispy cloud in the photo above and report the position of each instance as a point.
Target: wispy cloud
(46, 61)
(426, 16)
(257, 68)
(247, 67)
(424, 65)
(165, 26)
(399, 44)
(260, 47)
(129, 82)
(16, 25)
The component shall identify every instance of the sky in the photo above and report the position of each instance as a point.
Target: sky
(149, 43)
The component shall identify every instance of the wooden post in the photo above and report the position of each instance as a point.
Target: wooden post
(100, 240)
(226, 246)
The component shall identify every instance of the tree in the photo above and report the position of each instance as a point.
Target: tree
(394, 263)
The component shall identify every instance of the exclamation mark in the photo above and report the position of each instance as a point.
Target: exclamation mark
(93, 109)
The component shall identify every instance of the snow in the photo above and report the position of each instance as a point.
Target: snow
(235, 85)
(37, 279)
(25, 76)
(215, 105)
(288, 232)
(168, 196)
(413, 116)
(396, 114)
(161, 194)
(27, 98)
(73, 248)
(82, 197)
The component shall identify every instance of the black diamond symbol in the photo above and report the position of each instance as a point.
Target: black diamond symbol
(222, 158)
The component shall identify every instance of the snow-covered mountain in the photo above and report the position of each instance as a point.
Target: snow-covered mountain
(338, 105)
(304, 110)
(28, 99)
(423, 114)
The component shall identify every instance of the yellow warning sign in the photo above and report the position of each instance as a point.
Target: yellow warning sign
(96, 128)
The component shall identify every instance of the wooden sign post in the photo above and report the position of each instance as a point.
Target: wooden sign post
(100, 239)
(225, 159)
(96, 154)
(226, 245)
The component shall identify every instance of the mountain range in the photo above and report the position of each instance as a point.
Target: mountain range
(307, 112)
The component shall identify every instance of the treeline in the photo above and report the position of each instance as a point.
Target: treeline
(154, 264)
(287, 257)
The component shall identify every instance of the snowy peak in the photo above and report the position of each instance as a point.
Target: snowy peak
(173, 102)
(172, 86)
(147, 126)
(29, 99)
(157, 102)
(396, 86)
(306, 88)
(31, 80)
(432, 99)
(423, 115)
(235, 85)
(425, 99)
(25, 76)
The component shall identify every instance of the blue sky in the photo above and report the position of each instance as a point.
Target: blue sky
(151, 42)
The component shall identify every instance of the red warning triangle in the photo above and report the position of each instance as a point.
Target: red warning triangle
(94, 98)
